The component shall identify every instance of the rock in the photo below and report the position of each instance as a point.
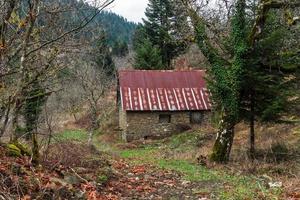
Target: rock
(72, 179)
(80, 195)
(61, 182)
(185, 183)
(275, 184)
(147, 177)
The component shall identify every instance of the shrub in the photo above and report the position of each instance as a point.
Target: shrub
(278, 152)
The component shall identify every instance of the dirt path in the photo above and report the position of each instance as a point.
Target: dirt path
(148, 182)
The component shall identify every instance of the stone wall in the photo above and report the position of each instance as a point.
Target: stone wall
(123, 123)
(138, 125)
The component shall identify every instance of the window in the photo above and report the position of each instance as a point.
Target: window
(196, 117)
(164, 118)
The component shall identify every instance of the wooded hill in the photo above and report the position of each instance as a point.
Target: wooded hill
(117, 28)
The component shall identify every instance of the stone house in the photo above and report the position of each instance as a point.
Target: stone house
(156, 104)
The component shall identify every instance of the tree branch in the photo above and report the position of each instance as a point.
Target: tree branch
(263, 9)
(81, 26)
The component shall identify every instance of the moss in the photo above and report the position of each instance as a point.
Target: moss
(13, 151)
(17, 149)
(103, 174)
(23, 148)
(102, 179)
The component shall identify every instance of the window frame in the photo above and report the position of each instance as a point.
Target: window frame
(164, 118)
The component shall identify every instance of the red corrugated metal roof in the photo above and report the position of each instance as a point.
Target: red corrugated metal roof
(152, 90)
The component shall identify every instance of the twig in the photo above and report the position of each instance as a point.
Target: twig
(83, 179)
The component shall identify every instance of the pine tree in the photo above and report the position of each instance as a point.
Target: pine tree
(139, 36)
(120, 49)
(165, 26)
(148, 56)
(264, 96)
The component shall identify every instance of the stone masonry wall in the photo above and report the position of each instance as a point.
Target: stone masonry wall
(138, 125)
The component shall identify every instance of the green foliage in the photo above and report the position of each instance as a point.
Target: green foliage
(265, 72)
(225, 77)
(120, 49)
(117, 28)
(185, 141)
(20, 131)
(148, 56)
(253, 79)
(166, 27)
(72, 135)
(139, 36)
(240, 51)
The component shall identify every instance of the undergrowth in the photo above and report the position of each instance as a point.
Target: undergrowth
(72, 135)
(221, 184)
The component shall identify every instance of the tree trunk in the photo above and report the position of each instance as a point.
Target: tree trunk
(35, 150)
(15, 118)
(95, 123)
(90, 140)
(223, 143)
(74, 115)
(252, 131)
(5, 122)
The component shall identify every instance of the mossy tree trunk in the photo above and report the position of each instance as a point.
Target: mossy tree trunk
(225, 77)
(223, 143)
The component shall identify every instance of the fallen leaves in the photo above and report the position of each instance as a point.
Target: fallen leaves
(147, 182)
(139, 169)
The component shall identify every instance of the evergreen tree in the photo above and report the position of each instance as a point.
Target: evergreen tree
(103, 57)
(120, 48)
(139, 36)
(165, 26)
(264, 91)
(148, 56)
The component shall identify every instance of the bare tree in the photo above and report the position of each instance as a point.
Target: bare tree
(31, 45)
(95, 84)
